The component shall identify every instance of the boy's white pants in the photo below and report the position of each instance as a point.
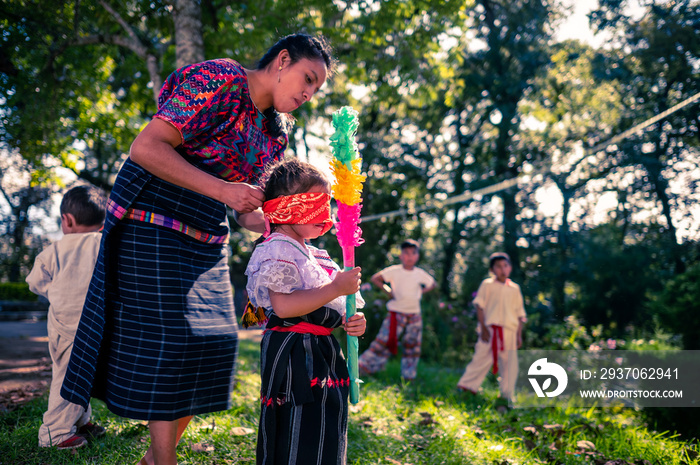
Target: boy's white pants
(62, 419)
(482, 362)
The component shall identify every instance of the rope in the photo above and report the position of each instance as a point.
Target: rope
(644, 125)
(508, 183)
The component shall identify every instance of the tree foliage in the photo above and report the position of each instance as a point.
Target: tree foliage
(658, 67)
(679, 306)
(453, 96)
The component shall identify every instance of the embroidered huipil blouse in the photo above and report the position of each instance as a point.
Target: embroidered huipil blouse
(222, 131)
(283, 265)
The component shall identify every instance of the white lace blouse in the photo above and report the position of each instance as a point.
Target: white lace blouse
(283, 265)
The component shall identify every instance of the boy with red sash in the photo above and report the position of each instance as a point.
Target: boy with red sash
(405, 284)
(501, 314)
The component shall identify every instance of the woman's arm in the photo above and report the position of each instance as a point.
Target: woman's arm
(253, 221)
(304, 301)
(154, 150)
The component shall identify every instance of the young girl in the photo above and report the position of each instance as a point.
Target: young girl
(305, 380)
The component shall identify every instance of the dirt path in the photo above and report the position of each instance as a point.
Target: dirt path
(25, 365)
(25, 370)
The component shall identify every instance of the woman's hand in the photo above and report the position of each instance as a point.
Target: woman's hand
(242, 197)
(154, 150)
(348, 282)
(356, 325)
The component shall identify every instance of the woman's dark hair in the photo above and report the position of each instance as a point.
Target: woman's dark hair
(299, 46)
(86, 203)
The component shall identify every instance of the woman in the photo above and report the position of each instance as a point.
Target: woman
(158, 338)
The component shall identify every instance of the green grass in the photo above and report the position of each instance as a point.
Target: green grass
(423, 422)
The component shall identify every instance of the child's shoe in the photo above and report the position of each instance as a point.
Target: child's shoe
(502, 405)
(361, 372)
(90, 430)
(467, 390)
(73, 442)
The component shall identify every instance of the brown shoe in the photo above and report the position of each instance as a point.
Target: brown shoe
(73, 442)
(467, 390)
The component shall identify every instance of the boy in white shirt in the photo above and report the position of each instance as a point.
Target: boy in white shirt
(406, 285)
(501, 314)
(62, 274)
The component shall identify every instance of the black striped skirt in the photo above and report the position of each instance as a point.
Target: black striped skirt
(304, 395)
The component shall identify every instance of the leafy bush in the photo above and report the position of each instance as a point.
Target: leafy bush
(614, 282)
(679, 306)
(16, 291)
(683, 421)
(449, 329)
(571, 334)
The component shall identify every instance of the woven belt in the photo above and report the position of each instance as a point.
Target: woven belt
(161, 220)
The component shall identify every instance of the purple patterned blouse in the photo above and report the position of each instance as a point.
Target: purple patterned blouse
(222, 131)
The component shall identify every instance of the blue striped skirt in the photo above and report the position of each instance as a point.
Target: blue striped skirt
(169, 336)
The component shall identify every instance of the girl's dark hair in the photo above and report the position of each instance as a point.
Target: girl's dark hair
(292, 176)
(289, 177)
(299, 46)
(86, 203)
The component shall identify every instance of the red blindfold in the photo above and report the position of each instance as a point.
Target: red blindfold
(304, 208)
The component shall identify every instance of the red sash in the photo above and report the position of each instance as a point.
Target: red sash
(304, 328)
(393, 342)
(496, 334)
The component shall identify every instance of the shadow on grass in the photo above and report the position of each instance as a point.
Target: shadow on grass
(426, 421)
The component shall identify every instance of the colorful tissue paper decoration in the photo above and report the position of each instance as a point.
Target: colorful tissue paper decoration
(347, 191)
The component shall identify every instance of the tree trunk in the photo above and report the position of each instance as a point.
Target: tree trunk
(561, 271)
(189, 43)
(19, 248)
(451, 244)
(154, 72)
(660, 185)
(512, 59)
(511, 226)
(450, 250)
